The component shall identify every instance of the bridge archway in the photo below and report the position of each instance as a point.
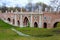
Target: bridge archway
(35, 24)
(9, 19)
(25, 21)
(55, 24)
(18, 22)
(45, 25)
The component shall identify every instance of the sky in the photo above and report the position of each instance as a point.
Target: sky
(20, 3)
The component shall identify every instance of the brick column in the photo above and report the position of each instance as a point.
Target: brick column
(15, 20)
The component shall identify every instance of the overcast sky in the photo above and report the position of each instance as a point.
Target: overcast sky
(14, 3)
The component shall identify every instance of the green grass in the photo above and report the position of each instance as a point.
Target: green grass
(58, 25)
(35, 33)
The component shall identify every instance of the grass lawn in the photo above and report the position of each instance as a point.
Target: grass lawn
(35, 33)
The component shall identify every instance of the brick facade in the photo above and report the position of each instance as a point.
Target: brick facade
(41, 20)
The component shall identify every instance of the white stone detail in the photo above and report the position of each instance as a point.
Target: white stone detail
(21, 21)
(31, 22)
(40, 21)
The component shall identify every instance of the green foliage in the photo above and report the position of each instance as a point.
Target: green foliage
(28, 24)
(35, 33)
(5, 25)
(58, 25)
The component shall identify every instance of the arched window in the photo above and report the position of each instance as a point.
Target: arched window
(45, 25)
(26, 21)
(35, 24)
(9, 19)
(55, 24)
(18, 23)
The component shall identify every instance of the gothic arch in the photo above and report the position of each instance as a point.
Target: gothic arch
(9, 19)
(45, 25)
(18, 22)
(35, 24)
(55, 24)
(25, 21)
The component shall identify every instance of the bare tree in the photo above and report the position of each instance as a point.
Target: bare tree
(43, 5)
(55, 4)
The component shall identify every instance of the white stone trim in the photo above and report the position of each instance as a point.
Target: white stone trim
(31, 22)
(29, 13)
(21, 21)
(40, 21)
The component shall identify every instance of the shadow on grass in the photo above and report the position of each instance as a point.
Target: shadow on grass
(56, 31)
(42, 35)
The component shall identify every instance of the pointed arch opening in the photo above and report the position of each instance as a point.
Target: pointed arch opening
(9, 19)
(35, 24)
(45, 25)
(26, 22)
(56, 24)
(18, 22)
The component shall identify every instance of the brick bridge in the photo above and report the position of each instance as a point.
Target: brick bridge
(32, 19)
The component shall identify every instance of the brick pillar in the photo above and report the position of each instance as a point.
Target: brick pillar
(15, 20)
